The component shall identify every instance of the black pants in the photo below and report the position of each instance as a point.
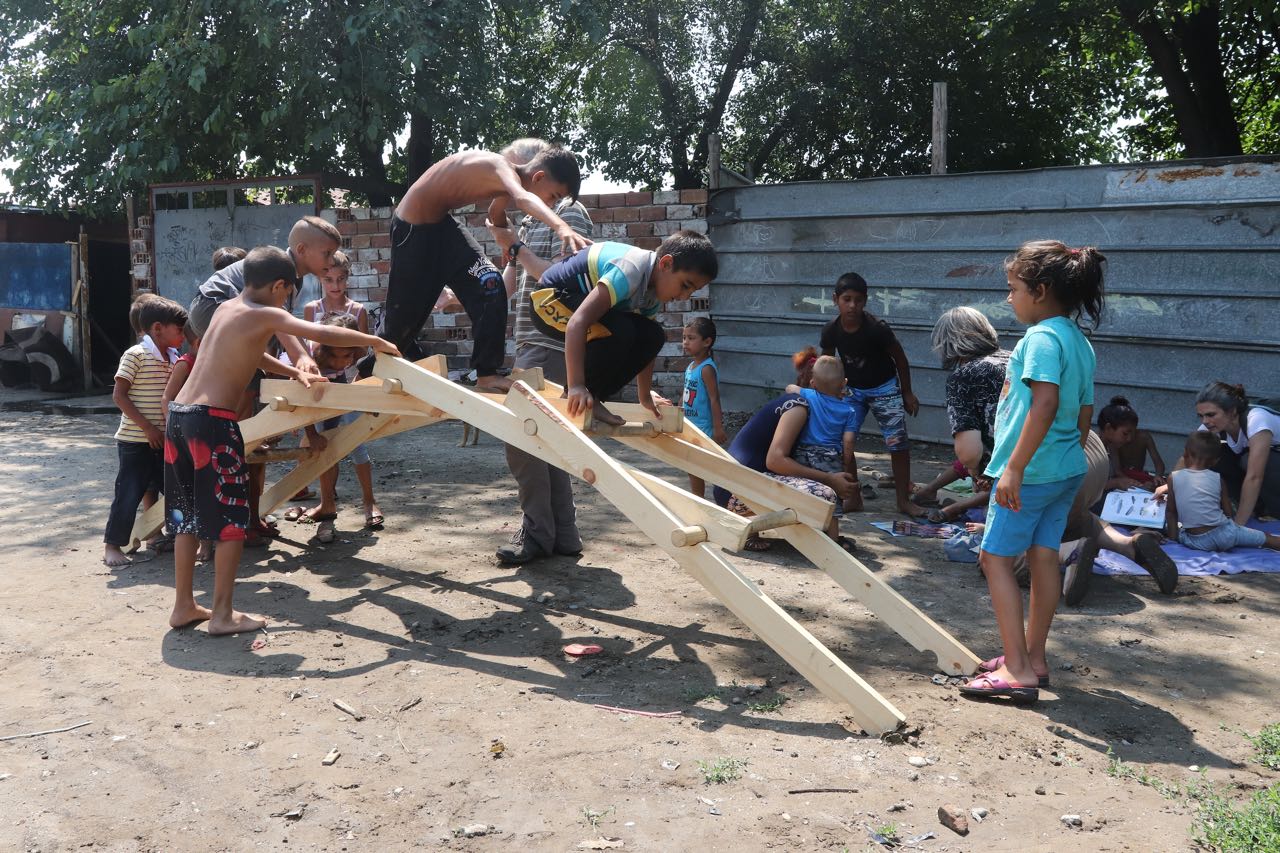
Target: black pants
(425, 258)
(141, 470)
(613, 361)
(1232, 469)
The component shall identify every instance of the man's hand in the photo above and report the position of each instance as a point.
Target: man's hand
(383, 345)
(155, 437)
(1009, 490)
(307, 364)
(911, 403)
(580, 399)
(572, 240)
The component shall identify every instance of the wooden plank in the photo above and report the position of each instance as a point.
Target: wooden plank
(724, 471)
(723, 528)
(341, 442)
(732, 588)
(888, 606)
(358, 397)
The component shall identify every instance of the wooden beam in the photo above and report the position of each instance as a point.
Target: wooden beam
(358, 397)
(725, 471)
(733, 589)
(277, 454)
(724, 528)
(341, 442)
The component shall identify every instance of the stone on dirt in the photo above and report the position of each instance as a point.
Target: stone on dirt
(954, 818)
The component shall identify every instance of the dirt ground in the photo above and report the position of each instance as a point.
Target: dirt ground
(473, 716)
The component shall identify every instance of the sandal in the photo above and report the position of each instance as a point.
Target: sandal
(936, 516)
(373, 522)
(304, 494)
(294, 513)
(756, 543)
(316, 517)
(989, 686)
(327, 531)
(995, 663)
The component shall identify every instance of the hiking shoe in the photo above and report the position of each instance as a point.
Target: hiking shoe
(521, 550)
(1148, 554)
(1075, 584)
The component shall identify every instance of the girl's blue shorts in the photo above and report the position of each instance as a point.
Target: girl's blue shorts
(1041, 520)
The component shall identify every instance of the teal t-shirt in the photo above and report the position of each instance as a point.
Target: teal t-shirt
(1053, 351)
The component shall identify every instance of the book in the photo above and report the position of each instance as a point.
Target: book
(1134, 507)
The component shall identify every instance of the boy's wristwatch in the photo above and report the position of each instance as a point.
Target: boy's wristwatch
(514, 251)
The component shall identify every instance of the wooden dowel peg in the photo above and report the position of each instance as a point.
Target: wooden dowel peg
(683, 537)
(281, 404)
(393, 386)
(770, 520)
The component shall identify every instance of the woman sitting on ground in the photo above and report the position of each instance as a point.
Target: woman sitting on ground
(1251, 471)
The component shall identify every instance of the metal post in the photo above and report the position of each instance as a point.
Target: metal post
(939, 129)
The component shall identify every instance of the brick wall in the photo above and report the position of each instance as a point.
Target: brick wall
(640, 218)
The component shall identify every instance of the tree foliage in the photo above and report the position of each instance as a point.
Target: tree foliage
(100, 97)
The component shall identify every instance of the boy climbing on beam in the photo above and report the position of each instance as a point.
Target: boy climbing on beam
(429, 250)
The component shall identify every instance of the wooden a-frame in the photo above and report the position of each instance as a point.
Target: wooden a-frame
(694, 532)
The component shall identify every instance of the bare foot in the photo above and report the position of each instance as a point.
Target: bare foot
(239, 623)
(604, 416)
(114, 557)
(493, 384)
(181, 617)
(911, 509)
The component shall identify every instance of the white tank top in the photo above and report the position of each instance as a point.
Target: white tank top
(1199, 497)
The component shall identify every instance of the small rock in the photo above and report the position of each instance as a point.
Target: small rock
(253, 744)
(1072, 820)
(668, 764)
(979, 814)
(939, 680)
(913, 776)
(332, 757)
(954, 818)
(1040, 790)
(543, 598)
(754, 689)
(918, 761)
(898, 807)
(736, 700)
(474, 830)
(1194, 768)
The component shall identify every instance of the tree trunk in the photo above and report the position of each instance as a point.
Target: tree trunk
(420, 151)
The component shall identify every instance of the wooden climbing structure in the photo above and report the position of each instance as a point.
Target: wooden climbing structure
(696, 533)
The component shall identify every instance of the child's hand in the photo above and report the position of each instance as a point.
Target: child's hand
(383, 345)
(307, 364)
(155, 437)
(308, 379)
(719, 436)
(572, 240)
(974, 527)
(845, 484)
(1161, 492)
(579, 399)
(1009, 489)
(911, 403)
(316, 442)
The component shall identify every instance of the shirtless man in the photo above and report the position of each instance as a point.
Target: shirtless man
(429, 250)
(204, 472)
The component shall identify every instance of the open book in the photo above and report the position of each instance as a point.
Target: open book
(1134, 507)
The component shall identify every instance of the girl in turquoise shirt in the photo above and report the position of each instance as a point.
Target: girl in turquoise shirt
(1041, 425)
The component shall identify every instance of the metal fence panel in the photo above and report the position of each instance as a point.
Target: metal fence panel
(1193, 277)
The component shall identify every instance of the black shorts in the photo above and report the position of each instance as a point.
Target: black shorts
(206, 487)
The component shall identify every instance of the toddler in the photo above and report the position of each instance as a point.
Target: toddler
(1197, 501)
(701, 398)
(826, 442)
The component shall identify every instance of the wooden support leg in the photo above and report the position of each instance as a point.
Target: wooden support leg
(737, 592)
(340, 443)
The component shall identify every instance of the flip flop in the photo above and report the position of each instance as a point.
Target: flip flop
(988, 686)
(294, 513)
(995, 663)
(373, 522)
(318, 517)
(577, 650)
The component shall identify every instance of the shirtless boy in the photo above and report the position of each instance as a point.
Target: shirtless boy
(430, 250)
(204, 472)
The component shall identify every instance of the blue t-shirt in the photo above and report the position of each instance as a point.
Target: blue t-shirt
(1054, 351)
(697, 407)
(829, 419)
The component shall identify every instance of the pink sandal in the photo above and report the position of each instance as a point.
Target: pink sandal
(995, 663)
(988, 686)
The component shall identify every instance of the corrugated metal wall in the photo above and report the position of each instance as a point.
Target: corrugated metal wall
(1193, 285)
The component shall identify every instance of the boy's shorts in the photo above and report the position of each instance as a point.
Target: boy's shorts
(1041, 521)
(360, 455)
(1224, 537)
(885, 402)
(826, 459)
(205, 483)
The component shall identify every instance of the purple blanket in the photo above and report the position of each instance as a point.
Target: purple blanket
(1193, 562)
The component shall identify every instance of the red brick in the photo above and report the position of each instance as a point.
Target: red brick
(360, 241)
(649, 243)
(626, 214)
(693, 196)
(346, 226)
(346, 243)
(605, 215)
(381, 266)
(368, 226)
(380, 241)
(674, 332)
(639, 229)
(634, 199)
(377, 294)
(613, 200)
(589, 201)
(652, 213)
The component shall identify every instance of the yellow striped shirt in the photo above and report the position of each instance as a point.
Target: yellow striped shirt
(147, 376)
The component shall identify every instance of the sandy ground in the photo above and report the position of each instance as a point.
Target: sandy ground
(472, 715)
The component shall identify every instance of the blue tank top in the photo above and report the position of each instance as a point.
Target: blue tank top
(697, 408)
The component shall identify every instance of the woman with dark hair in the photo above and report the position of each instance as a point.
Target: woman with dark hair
(1251, 471)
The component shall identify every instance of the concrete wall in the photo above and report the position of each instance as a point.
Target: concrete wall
(1193, 283)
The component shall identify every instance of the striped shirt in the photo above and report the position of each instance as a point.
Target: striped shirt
(147, 376)
(544, 243)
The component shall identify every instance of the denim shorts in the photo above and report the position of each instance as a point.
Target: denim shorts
(1041, 521)
(1224, 537)
(885, 402)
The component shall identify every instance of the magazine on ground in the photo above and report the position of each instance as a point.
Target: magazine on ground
(1135, 507)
